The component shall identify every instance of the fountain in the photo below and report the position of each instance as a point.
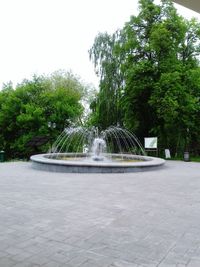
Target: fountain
(98, 147)
(84, 150)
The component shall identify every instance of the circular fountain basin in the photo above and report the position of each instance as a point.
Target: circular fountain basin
(79, 163)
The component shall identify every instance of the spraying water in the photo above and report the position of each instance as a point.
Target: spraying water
(95, 145)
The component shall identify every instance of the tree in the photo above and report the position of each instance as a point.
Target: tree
(103, 54)
(153, 57)
(26, 110)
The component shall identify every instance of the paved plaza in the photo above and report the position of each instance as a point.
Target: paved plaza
(139, 219)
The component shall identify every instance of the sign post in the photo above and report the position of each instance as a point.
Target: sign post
(151, 144)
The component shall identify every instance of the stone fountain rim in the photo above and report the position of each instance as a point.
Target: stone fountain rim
(42, 161)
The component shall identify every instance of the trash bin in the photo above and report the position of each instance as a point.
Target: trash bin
(186, 156)
(2, 156)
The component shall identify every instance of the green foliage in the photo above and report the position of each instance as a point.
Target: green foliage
(149, 76)
(103, 53)
(26, 110)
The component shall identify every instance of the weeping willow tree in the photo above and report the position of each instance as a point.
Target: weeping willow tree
(107, 105)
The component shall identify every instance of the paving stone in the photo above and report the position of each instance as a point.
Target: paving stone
(26, 264)
(193, 263)
(7, 262)
(60, 258)
(123, 264)
(23, 256)
(13, 251)
(167, 265)
(146, 219)
(78, 261)
(38, 259)
(52, 264)
(90, 263)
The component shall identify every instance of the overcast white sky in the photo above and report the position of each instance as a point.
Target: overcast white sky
(41, 36)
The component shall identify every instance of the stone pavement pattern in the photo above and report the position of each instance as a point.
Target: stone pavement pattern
(140, 219)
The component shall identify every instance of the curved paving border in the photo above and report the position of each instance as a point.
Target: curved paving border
(45, 162)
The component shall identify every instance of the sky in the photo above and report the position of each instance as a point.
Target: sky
(42, 36)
